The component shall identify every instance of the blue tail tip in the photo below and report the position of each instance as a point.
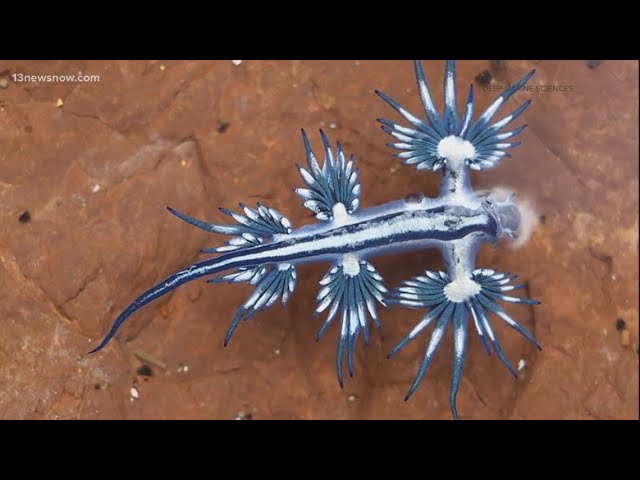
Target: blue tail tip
(100, 346)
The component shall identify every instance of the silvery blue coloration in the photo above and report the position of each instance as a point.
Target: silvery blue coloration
(265, 249)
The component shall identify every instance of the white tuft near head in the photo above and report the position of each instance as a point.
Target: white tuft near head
(529, 221)
(350, 265)
(462, 289)
(455, 149)
(529, 217)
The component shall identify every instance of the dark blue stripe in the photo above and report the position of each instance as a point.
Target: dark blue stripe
(212, 266)
(453, 233)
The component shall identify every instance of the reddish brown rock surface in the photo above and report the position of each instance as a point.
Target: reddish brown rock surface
(97, 172)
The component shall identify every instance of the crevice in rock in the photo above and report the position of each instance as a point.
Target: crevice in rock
(568, 165)
(68, 111)
(85, 283)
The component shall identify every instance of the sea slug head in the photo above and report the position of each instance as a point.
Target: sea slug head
(506, 214)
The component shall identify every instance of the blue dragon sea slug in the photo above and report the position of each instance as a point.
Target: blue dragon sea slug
(265, 249)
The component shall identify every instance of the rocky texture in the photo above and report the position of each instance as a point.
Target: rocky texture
(96, 174)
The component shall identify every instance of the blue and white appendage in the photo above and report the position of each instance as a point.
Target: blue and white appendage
(452, 302)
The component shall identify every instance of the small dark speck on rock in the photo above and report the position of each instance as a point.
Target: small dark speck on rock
(25, 217)
(97, 386)
(543, 218)
(620, 324)
(497, 64)
(145, 371)
(223, 127)
(593, 64)
(484, 77)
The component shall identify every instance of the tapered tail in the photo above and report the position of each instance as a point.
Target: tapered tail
(249, 232)
(199, 270)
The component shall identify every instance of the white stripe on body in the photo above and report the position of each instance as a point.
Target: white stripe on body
(306, 248)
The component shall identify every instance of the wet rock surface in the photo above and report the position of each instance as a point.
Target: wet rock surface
(96, 172)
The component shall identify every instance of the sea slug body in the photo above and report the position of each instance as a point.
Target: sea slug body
(265, 250)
